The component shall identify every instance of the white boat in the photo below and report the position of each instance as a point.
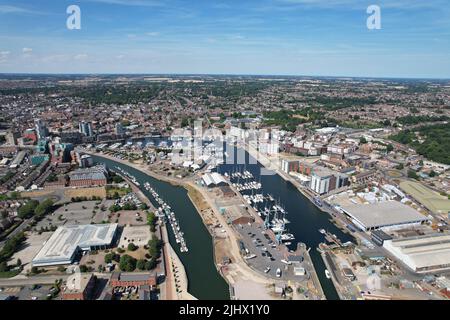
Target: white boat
(327, 274)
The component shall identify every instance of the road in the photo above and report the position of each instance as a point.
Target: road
(17, 230)
(18, 282)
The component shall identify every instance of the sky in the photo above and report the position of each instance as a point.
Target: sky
(260, 37)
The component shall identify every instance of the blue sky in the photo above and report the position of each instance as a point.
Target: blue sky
(294, 37)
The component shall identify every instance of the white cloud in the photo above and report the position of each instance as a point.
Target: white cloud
(136, 3)
(12, 9)
(120, 56)
(347, 4)
(4, 56)
(81, 56)
(237, 37)
(152, 34)
(27, 50)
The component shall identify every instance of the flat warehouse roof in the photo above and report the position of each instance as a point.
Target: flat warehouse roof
(422, 251)
(65, 241)
(381, 214)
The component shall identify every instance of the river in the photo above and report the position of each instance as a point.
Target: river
(205, 282)
(306, 219)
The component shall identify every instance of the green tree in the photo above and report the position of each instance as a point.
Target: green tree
(151, 221)
(132, 247)
(27, 210)
(141, 264)
(4, 266)
(117, 179)
(154, 247)
(83, 268)
(108, 258)
(43, 208)
(114, 208)
(151, 264)
(412, 174)
(127, 263)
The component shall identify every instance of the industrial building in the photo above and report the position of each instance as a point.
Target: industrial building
(422, 254)
(386, 214)
(67, 241)
(213, 179)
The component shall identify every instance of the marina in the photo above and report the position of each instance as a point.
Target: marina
(204, 280)
(269, 209)
(302, 216)
(165, 213)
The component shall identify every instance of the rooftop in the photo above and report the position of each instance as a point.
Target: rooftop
(66, 240)
(386, 213)
(423, 251)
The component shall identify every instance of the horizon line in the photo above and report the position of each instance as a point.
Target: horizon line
(222, 74)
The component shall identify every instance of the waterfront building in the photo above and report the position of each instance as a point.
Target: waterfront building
(213, 179)
(386, 215)
(85, 161)
(324, 180)
(422, 254)
(120, 279)
(85, 177)
(289, 166)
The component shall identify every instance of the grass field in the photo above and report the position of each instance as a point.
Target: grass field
(9, 274)
(432, 200)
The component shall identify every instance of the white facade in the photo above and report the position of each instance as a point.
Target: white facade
(320, 185)
(422, 254)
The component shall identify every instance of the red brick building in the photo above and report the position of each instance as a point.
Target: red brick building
(79, 287)
(119, 279)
